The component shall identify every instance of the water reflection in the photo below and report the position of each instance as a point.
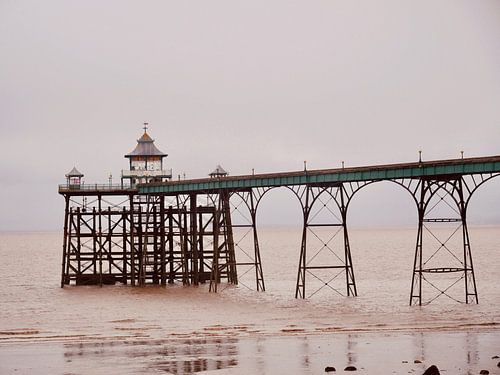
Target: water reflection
(260, 355)
(435, 348)
(351, 350)
(305, 351)
(472, 352)
(185, 356)
(456, 353)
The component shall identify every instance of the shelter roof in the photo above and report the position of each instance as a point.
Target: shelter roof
(145, 147)
(74, 173)
(218, 171)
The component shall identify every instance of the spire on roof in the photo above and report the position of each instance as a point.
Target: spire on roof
(145, 146)
(145, 138)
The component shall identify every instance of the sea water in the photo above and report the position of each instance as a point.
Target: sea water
(176, 329)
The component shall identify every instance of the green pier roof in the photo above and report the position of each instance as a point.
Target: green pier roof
(430, 169)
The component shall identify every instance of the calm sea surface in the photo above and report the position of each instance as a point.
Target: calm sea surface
(46, 329)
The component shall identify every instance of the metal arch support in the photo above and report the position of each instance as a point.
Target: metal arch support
(251, 198)
(455, 188)
(309, 195)
(474, 183)
(256, 193)
(459, 190)
(411, 185)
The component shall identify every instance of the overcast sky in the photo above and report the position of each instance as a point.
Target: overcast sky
(247, 84)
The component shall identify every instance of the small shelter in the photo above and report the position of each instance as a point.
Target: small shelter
(74, 177)
(218, 172)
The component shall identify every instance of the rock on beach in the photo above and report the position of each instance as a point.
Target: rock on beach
(432, 370)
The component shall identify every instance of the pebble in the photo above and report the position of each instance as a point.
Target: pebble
(484, 372)
(350, 368)
(417, 361)
(495, 357)
(432, 370)
(330, 369)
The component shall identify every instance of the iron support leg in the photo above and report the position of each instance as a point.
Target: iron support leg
(470, 280)
(259, 275)
(349, 269)
(300, 287)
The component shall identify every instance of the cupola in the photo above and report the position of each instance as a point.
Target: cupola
(145, 162)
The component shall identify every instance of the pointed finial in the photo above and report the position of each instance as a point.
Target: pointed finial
(420, 156)
(145, 127)
(461, 152)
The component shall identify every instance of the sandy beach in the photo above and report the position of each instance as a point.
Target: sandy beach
(226, 352)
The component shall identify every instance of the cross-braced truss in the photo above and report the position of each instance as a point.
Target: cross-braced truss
(325, 254)
(244, 206)
(195, 237)
(442, 212)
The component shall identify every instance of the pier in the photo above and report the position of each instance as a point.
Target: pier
(151, 230)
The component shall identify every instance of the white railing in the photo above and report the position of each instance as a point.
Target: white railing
(142, 173)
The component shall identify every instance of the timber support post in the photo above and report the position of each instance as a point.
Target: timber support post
(132, 239)
(64, 276)
(193, 209)
(215, 272)
(163, 258)
(230, 256)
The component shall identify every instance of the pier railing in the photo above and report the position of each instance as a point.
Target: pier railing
(145, 173)
(94, 187)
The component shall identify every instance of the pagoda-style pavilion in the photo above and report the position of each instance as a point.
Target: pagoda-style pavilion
(145, 162)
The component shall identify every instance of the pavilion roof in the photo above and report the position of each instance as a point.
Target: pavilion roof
(218, 171)
(145, 147)
(74, 173)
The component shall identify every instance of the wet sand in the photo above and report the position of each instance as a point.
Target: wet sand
(289, 353)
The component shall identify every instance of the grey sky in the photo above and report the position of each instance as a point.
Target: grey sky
(248, 84)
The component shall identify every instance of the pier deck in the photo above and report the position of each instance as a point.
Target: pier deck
(184, 231)
(429, 169)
